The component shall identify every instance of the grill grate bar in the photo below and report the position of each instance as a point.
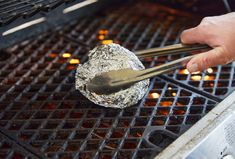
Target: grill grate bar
(18, 143)
(13, 9)
(216, 99)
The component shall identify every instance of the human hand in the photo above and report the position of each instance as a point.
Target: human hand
(219, 33)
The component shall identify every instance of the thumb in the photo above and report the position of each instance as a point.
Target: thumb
(191, 36)
(216, 56)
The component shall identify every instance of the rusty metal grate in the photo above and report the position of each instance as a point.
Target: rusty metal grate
(41, 110)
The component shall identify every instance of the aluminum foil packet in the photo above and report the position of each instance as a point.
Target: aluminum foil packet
(105, 58)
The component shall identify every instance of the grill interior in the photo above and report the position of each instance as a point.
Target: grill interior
(13, 9)
(44, 116)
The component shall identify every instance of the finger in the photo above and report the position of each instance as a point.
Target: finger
(191, 36)
(202, 61)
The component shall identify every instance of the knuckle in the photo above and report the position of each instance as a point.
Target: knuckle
(205, 63)
(206, 20)
(227, 56)
(214, 40)
(222, 56)
(203, 26)
(205, 31)
(202, 29)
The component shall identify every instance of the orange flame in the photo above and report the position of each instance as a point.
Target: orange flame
(103, 32)
(154, 95)
(101, 37)
(209, 78)
(66, 55)
(169, 88)
(166, 103)
(53, 55)
(209, 70)
(174, 94)
(74, 61)
(184, 71)
(105, 42)
(196, 77)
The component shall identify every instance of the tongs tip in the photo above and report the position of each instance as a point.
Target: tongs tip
(104, 84)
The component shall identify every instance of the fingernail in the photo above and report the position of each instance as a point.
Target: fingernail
(193, 67)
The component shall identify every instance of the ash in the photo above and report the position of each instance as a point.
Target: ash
(105, 58)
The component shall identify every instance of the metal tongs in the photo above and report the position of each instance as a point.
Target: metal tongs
(116, 80)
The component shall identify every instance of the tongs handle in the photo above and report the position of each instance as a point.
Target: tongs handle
(157, 70)
(171, 50)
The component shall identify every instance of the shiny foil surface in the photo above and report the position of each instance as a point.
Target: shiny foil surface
(105, 58)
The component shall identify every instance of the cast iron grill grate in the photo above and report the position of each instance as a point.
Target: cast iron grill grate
(14, 9)
(74, 128)
(217, 80)
(40, 107)
(10, 150)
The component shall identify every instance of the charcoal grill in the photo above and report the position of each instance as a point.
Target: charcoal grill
(43, 116)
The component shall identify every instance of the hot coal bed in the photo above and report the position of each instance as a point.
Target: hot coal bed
(43, 116)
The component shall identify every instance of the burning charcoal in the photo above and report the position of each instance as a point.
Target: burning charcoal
(105, 58)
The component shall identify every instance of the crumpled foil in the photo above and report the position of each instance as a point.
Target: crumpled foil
(105, 58)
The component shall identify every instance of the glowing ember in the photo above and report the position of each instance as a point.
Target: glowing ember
(209, 70)
(62, 60)
(194, 73)
(101, 37)
(53, 55)
(154, 95)
(209, 78)
(105, 42)
(196, 77)
(138, 134)
(163, 112)
(66, 55)
(74, 61)
(179, 104)
(184, 71)
(179, 112)
(166, 103)
(103, 32)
